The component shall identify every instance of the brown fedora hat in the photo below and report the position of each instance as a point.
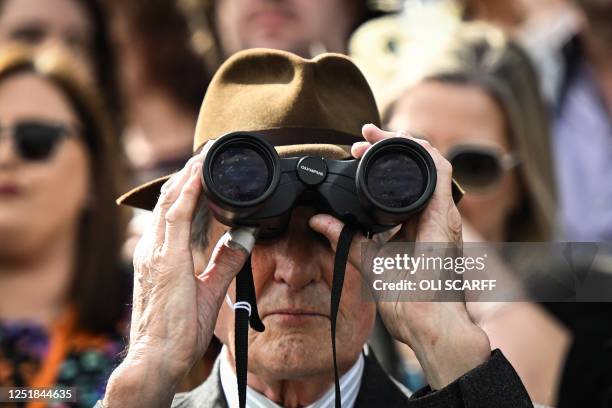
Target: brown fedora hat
(302, 106)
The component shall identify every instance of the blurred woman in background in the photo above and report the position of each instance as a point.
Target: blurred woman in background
(63, 292)
(479, 104)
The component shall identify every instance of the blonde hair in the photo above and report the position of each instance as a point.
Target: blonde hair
(483, 56)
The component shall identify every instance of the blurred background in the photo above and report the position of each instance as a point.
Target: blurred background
(97, 96)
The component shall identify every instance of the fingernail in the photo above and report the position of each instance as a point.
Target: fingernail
(241, 238)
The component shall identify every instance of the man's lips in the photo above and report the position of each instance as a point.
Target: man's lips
(297, 313)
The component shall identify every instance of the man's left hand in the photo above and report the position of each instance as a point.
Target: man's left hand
(446, 341)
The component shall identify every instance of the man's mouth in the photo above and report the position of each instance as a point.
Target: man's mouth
(295, 316)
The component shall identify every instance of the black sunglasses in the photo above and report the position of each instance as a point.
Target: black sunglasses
(35, 140)
(479, 168)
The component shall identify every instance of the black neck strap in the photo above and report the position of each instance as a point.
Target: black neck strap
(245, 295)
(342, 252)
(246, 313)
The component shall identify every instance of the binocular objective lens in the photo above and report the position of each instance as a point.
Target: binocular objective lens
(395, 180)
(240, 174)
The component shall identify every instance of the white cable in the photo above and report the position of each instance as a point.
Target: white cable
(238, 305)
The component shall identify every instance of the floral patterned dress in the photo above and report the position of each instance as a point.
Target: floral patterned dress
(31, 355)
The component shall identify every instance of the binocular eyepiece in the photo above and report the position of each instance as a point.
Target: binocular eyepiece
(247, 184)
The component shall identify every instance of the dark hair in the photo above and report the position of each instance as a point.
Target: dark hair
(104, 57)
(99, 287)
(200, 224)
(161, 38)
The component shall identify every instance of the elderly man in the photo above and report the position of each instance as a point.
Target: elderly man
(185, 266)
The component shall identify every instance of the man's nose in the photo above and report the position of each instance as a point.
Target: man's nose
(299, 257)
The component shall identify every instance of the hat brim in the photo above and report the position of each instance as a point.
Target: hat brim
(146, 195)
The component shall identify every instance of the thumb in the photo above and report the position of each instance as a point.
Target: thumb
(227, 259)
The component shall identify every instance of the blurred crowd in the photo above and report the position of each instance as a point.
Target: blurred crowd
(97, 96)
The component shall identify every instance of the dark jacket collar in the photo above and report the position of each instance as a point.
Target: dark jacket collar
(377, 388)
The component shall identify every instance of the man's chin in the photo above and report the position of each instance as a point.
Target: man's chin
(290, 354)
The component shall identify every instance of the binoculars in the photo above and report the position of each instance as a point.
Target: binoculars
(246, 183)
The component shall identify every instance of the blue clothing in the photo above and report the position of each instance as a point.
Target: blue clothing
(582, 146)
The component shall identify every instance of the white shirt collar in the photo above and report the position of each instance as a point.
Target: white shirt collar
(350, 383)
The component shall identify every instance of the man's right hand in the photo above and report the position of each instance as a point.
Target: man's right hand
(174, 309)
